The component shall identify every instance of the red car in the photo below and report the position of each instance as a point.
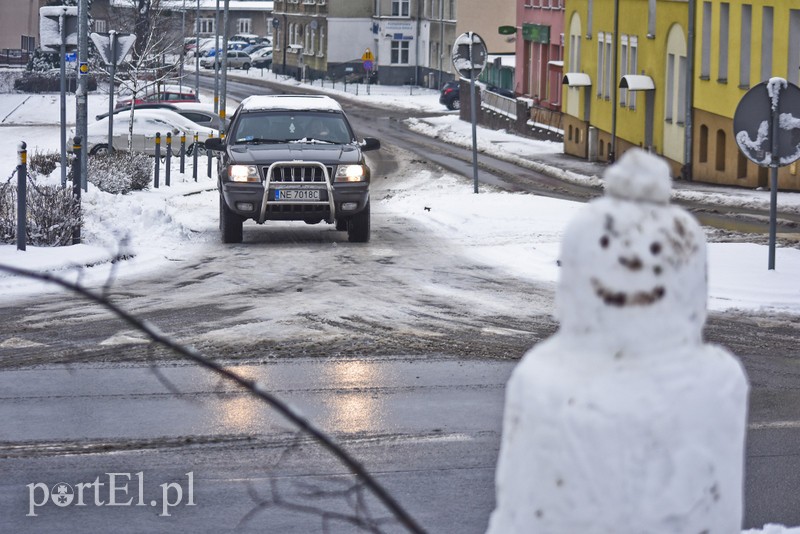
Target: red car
(169, 94)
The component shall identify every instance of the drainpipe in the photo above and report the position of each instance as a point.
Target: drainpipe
(612, 153)
(441, 40)
(416, 44)
(686, 170)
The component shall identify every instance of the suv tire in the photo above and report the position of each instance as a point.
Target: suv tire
(230, 224)
(358, 226)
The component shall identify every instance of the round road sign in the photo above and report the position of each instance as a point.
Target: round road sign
(469, 55)
(753, 123)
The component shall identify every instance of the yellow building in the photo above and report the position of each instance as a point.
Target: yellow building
(738, 45)
(636, 97)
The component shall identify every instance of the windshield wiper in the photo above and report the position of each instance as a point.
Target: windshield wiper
(257, 141)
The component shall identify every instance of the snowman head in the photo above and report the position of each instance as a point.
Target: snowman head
(633, 268)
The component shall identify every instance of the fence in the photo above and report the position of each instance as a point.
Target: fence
(14, 57)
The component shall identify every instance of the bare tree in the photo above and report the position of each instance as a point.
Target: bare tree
(155, 56)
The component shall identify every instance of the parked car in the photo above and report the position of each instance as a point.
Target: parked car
(293, 158)
(163, 93)
(508, 93)
(256, 47)
(450, 95)
(250, 38)
(236, 60)
(199, 113)
(146, 123)
(262, 59)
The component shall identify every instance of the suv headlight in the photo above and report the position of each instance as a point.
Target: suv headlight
(243, 173)
(350, 173)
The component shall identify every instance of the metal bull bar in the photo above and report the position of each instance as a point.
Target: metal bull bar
(298, 185)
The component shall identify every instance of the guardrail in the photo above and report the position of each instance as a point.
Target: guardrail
(500, 104)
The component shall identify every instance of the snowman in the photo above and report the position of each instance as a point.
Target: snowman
(624, 421)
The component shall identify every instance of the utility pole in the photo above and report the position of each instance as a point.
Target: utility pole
(183, 44)
(81, 93)
(197, 50)
(612, 153)
(216, 60)
(224, 89)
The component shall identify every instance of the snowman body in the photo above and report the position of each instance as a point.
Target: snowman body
(624, 420)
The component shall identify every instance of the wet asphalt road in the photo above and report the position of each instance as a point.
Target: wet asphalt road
(422, 411)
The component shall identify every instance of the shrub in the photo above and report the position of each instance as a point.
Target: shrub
(52, 214)
(120, 172)
(48, 82)
(44, 163)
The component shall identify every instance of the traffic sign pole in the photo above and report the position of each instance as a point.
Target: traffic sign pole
(467, 48)
(773, 187)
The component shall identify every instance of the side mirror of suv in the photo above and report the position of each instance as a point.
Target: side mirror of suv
(370, 143)
(215, 144)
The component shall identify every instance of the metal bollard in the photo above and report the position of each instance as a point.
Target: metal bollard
(208, 158)
(76, 184)
(158, 159)
(167, 164)
(22, 194)
(194, 158)
(183, 153)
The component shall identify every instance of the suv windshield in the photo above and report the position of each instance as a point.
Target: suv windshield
(287, 126)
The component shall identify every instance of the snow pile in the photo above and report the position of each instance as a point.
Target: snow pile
(625, 417)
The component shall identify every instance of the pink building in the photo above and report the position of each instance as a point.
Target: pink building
(539, 51)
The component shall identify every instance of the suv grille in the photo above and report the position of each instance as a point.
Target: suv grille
(298, 174)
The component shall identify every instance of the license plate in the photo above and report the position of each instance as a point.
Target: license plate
(308, 195)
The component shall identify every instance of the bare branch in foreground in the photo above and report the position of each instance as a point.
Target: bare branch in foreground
(256, 389)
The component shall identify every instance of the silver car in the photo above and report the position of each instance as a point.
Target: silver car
(146, 123)
(237, 59)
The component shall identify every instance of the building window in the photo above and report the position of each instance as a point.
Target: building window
(670, 87)
(609, 85)
(307, 43)
(400, 52)
(322, 41)
(766, 43)
(794, 46)
(589, 17)
(724, 21)
(741, 166)
(703, 152)
(400, 8)
(100, 26)
(600, 62)
(206, 26)
(574, 53)
(683, 72)
(705, 58)
(243, 25)
(452, 10)
(720, 163)
(633, 66)
(623, 62)
(744, 46)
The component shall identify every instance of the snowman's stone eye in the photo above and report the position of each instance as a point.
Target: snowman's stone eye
(655, 248)
(657, 269)
(604, 241)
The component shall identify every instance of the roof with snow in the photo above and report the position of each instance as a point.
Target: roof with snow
(291, 102)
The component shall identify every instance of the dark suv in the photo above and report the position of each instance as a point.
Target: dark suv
(293, 158)
(450, 95)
